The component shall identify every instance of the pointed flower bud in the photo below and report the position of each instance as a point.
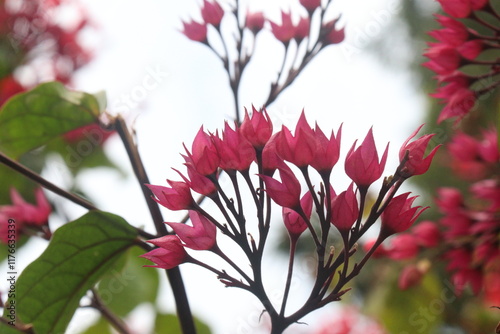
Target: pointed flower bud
(25, 213)
(178, 197)
(170, 254)
(327, 150)
(310, 5)
(286, 31)
(204, 156)
(302, 29)
(416, 163)
(287, 192)
(255, 21)
(200, 236)
(345, 210)
(301, 149)
(399, 215)
(362, 164)
(212, 13)
(270, 158)
(235, 152)
(195, 31)
(330, 33)
(258, 129)
(294, 223)
(199, 183)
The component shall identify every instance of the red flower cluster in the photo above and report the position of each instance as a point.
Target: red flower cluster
(24, 214)
(458, 46)
(212, 14)
(46, 48)
(236, 149)
(467, 233)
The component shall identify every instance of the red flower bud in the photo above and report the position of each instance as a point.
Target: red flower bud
(200, 236)
(416, 163)
(178, 197)
(399, 215)
(327, 150)
(294, 223)
(301, 149)
(204, 156)
(235, 152)
(345, 210)
(285, 193)
(258, 129)
(195, 31)
(255, 21)
(170, 254)
(212, 13)
(362, 165)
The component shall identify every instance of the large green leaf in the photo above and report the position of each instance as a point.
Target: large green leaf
(80, 252)
(31, 119)
(123, 288)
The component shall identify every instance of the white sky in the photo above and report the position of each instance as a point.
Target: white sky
(345, 84)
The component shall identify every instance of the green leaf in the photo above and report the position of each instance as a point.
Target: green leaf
(169, 323)
(50, 288)
(31, 119)
(101, 326)
(122, 289)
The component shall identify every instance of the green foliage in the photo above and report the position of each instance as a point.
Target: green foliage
(30, 120)
(123, 288)
(420, 309)
(101, 327)
(80, 252)
(169, 323)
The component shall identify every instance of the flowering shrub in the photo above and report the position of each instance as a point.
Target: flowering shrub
(252, 148)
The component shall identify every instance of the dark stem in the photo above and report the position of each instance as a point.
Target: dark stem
(116, 322)
(174, 274)
(293, 246)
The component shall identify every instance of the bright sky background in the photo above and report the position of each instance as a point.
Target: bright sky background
(345, 84)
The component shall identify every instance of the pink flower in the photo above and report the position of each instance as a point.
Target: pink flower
(204, 157)
(178, 197)
(255, 21)
(331, 34)
(444, 59)
(310, 5)
(362, 164)
(456, 8)
(427, 234)
(212, 13)
(170, 254)
(200, 236)
(294, 223)
(327, 150)
(195, 31)
(402, 247)
(299, 149)
(302, 29)
(258, 129)
(416, 163)
(345, 210)
(199, 183)
(235, 152)
(454, 33)
(25, 213)
(399, 215)
(285, 193)
(270, 159)
(286, 31)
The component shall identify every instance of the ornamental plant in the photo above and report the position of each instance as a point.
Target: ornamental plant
(239, 183)
(294, 157)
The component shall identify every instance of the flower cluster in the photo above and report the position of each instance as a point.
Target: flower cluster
(24, 214)
(295, 35)
(269, 165)
(458, 46)
(37, 40)
(466, 235)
